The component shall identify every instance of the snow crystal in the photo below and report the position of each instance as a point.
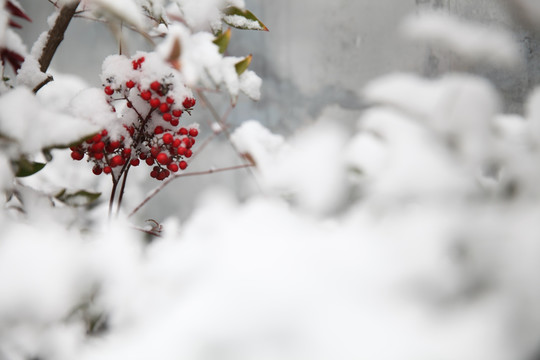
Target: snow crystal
(242, 22)
(473, 42)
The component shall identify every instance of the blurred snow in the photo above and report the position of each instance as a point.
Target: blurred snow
(411, 235)
(472, 41)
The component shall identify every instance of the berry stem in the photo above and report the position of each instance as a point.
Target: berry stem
(122, 188)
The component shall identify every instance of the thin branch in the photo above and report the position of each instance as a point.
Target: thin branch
(56, 34)
(43, 83)
(149, 232)
(221, 123)
(122, 188)
(195, 173)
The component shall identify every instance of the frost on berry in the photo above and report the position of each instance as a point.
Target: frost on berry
(148, 98)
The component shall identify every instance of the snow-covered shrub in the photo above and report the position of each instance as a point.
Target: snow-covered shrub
(415, 236)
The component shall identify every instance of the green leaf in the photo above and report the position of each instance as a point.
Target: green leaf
(242, 19)
(26, 167)
(242, 65)
(222, 40)
(78, 198)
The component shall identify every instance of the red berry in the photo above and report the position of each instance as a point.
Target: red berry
(163, 107)
(177, 112)
(126, 152)
(98, 147)
(176, 143)
(104, 132)
(117, 161)
(193, 132)
(108, 90)
(142, 156)
(181, 150)
(154, 151)
(146, 95)
(97, 170)
(130, 84)
(183, 131)
(96, 138)
(158, 130)
(75, 155)
(154, 173)
(163, 158)
(134, 162)
(189, 153)
(182, 164)
(167, 138)
(188, 103)
(154, 102)
(107, 169)
(173, 167)
(187, 142)
(155, 86)
(162, 175)
(98, 156)
(192, 142)
(167, 116)
(169, 100)
(149, 161)
(129, 104)
(174, 122)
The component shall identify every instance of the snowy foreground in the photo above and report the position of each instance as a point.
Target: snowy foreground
(394, 242)
(415, 236)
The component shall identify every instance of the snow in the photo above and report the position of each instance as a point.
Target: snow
(23, 112)
(124, 10)
(250, 84)
(30, 74)
(205, 14)
(201, 63)
(412, 235)
(242, 22)
(472, 42)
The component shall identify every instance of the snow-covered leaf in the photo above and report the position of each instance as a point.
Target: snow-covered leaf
(242, 19)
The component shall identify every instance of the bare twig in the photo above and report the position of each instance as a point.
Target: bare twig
(195, 173)
(149, 232)
(43, 83)
(221, 122)
(56, 34)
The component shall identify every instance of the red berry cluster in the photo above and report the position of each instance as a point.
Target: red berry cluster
(153, 136)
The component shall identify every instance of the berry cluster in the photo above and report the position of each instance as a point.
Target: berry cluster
(151, 132)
